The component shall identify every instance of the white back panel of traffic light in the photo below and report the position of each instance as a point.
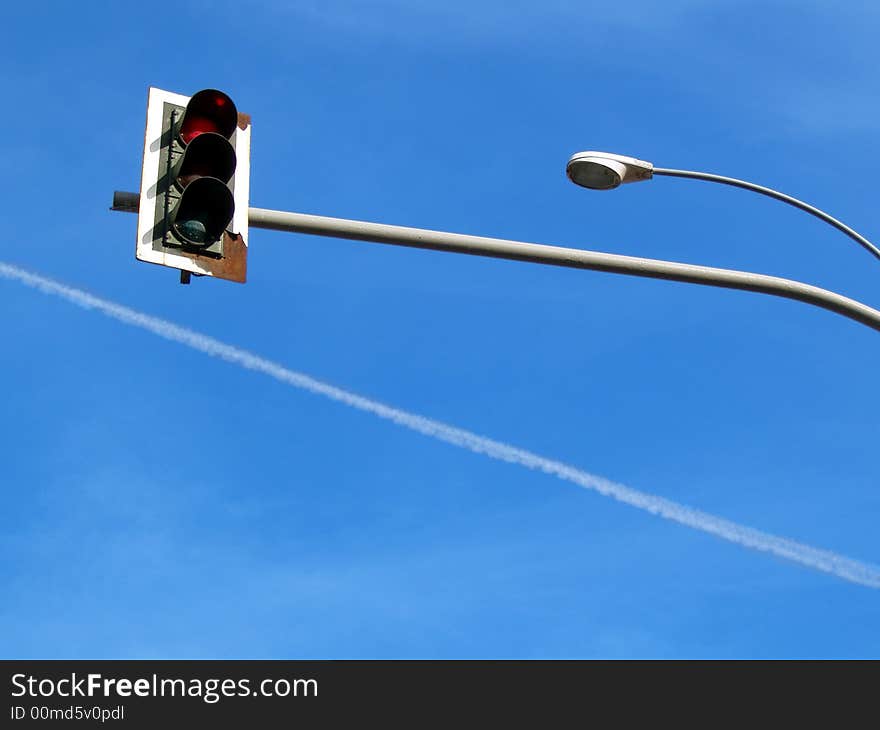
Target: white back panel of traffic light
(151, 242)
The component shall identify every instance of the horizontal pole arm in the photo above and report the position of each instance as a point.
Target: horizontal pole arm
(553, 255)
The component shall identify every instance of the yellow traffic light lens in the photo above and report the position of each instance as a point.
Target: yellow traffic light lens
(209, 155)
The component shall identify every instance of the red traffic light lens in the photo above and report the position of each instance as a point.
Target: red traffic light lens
(208, 111)
(196, 126)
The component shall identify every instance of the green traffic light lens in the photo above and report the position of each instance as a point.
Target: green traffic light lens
(194, 231)
(204, 211)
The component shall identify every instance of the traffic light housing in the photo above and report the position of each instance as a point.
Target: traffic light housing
(193, 206)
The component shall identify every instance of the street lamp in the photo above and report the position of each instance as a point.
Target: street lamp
(606, 171)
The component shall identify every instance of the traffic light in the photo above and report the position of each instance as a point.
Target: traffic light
(193, 206)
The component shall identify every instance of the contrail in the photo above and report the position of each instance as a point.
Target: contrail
(823, 560)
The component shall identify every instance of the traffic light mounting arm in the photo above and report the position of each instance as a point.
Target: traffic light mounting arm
(573, 258)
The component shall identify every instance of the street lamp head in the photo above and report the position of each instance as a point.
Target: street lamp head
(605, 171)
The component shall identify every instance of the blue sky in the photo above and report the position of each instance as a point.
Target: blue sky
(159, 503)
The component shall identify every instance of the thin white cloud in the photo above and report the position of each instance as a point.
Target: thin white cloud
(822, 560)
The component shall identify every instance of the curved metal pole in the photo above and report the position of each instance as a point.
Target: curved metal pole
(573, 258)
(861, 240)
(568, 257)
